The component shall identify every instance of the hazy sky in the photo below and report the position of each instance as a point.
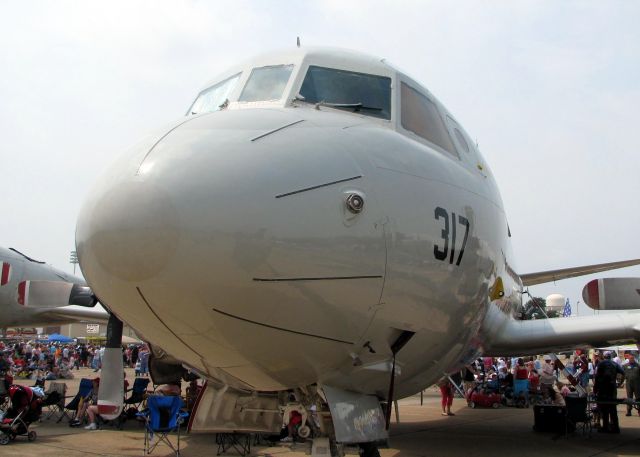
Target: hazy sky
(550, 90)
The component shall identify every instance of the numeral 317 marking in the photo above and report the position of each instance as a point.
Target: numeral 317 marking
(448, 234)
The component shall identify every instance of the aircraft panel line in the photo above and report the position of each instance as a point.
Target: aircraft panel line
(318, 186)
(327, 278)
(276, 130)
(282, 329)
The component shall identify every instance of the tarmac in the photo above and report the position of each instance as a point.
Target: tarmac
(422, 431)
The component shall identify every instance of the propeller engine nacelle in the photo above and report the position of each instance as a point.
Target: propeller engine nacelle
(612, 294)
(48, 294)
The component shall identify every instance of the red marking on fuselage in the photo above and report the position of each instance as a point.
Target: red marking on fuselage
(22, 287)
(5, 274)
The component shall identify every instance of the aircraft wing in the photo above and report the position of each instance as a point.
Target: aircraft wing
(531, 279)
(66, 315)
(515, 337)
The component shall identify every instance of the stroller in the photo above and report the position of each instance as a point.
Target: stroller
(25, 408)
(5, 381)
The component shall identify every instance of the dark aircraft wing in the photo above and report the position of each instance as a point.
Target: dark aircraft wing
(531, 279)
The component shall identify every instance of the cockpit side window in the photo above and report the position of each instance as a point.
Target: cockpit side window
(266, 83)
(214, 97)
(348, 90)
(420, 116)
(461, 140)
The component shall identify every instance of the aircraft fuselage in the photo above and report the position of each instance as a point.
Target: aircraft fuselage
(231, 240)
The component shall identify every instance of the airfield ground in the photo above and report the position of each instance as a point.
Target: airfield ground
(422, 431)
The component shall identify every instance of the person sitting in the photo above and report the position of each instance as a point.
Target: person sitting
(92, 409)
(91, 401)
(173, 388)
(65, 369)
(52, 373)
(553, 397)
(563, 388)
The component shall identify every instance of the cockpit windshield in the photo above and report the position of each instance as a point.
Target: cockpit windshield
(214, 98)
(359, 92)
(266, 83)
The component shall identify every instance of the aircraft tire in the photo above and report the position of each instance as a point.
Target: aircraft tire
(304, 432)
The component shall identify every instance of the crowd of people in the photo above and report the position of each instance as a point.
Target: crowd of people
(546, 381)
(51, 360)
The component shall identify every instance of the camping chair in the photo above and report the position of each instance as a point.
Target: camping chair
(84, 392)
(54, 399)
(138, 392)
(162, 416)
(578, 413)
(239, 442)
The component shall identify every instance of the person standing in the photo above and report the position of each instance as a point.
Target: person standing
(632, 381)
(521, 380)
(605, 389)
(446, 391)
(581, 365)
(547, 378)
(144, 361)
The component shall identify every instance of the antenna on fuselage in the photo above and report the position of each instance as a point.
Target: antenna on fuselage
(298, 41)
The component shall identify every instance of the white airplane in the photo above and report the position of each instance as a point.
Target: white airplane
(33, 293)
(318, 223)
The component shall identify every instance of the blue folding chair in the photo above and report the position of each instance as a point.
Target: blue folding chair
(84, 392)
(138, 392)
(162, 417)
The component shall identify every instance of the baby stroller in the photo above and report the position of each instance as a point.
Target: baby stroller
(25, 409)
(5, 381)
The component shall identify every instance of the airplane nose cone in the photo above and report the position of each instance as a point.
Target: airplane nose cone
(132, 232)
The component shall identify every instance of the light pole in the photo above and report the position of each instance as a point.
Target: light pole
(74, 260)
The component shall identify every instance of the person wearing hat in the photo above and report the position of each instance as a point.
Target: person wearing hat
(606, 392)
(547, 378)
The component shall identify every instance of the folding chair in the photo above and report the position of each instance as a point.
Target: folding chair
(54, 399)
(239, 442)
(84, 391)
(138, 392)
(162, 417)
(578, 413)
